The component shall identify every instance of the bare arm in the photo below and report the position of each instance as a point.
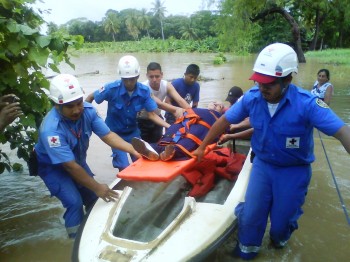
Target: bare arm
(343, 135)
(171, 92)
(165, 106)
(115, 141)
(176, 111)
(216, 130)
(244, 124)
(82, 177)
(90, 98)
(156, 119)
(246, 134)
(328, 95)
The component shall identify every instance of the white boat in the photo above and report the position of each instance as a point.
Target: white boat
(158, 222)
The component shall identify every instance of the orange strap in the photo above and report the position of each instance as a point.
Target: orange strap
(192, 118)
(194, 138)
(184, 150)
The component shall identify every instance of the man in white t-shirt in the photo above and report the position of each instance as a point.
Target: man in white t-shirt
(160, 88)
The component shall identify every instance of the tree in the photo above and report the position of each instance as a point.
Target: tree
(82, 26)
(111, 23)
(236, 32)
(204, 22)
(291, 21)
(159, 12)
(144, 21)
(188, 32)
(314, 13)
(131, 23)
(23, 53)
(237, 17)
(51, 28)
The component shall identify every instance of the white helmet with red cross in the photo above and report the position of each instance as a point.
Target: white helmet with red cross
(65, 88)
(128, 67)
(275, 60)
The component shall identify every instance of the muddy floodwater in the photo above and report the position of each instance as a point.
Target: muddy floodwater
(31, 223)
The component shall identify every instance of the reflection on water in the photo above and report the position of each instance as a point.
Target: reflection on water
(31, 226)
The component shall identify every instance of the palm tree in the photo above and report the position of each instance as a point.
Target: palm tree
(159, 11)
(111, 23)
(131, 23)
(144, 21)
(188, 32)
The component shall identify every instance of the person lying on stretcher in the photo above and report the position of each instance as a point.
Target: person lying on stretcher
(182, 137)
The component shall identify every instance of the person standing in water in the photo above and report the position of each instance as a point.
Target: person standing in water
(322, 88)
(62, 147)
(283, 117)
(126, 98)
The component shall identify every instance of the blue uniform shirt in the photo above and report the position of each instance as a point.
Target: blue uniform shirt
(286, 139)
(58, 142)
(188, 92)
(122, 109)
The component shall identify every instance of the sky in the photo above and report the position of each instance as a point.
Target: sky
(64, 10)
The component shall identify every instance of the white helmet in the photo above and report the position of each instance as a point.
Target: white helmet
(65, 88)
(128, 67)
(275, 60)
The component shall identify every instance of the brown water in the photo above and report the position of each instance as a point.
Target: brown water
(31, 227)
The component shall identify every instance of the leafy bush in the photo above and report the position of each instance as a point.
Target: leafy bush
(23, 53)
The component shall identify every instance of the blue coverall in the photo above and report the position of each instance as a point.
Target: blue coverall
(283, 146)
(57, 144)
(122, 111)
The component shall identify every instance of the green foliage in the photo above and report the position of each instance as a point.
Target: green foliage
(219, 59)
(132, 24)
(23, 53)
(272, 30)
(322, 23)
(237, 33)
(331, 56)
(153, 45)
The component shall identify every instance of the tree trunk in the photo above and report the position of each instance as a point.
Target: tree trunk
(312, 46)
(161, 25)
(318, 21)
(295, 28)
(321, 45)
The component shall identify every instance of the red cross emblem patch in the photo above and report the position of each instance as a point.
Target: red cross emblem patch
(54, 141)
(293, 142)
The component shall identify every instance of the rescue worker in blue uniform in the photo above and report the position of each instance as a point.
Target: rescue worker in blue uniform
(126, 97)
(62, 146)
(283, 117)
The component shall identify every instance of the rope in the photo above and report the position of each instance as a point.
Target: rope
(335, 181)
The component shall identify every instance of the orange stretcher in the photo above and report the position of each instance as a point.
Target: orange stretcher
(157, 171)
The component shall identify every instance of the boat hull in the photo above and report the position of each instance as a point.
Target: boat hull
(191, 233)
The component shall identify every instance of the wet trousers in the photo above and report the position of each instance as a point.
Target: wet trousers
(72, 196)
(276, 192)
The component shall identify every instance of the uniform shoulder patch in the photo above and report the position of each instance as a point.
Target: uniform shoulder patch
(321, 103)
(54, 141)
(102, 88)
